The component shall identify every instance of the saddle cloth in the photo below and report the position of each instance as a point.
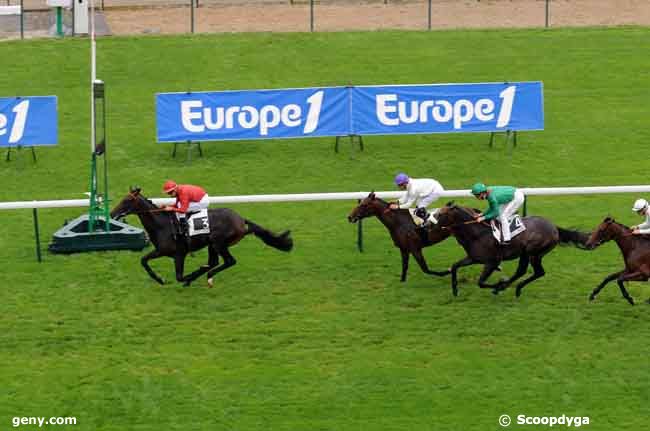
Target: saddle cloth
(516, 227)
(199, 223)
(432, 216)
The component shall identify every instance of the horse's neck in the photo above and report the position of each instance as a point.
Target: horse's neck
(151, 221)
(392, 218)
(625, 240)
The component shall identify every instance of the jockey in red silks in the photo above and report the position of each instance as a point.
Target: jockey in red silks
(189, 199)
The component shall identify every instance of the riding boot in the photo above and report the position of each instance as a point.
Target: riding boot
(422, 213)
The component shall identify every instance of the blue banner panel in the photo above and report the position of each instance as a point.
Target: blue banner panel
(252, 114)
(403, 109)
(28, 121)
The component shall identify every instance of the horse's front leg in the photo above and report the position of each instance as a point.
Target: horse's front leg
(632, 276)
(179, 265)
(419, 258)
(154, 254)
(466, 261)
(602, 284)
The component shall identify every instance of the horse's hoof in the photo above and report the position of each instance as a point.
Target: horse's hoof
(495, 291)
(210, 283)
(518, 293)
(647, 301)
(592, 297)
(454, 292)
(630, 300)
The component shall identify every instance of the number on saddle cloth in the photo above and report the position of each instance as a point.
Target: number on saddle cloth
(516, 227)
(199, 223)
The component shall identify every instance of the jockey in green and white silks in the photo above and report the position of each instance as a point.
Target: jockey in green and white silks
(641, 208)
(419, 191)
(504, 201)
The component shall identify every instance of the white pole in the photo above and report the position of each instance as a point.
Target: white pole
(93, 75)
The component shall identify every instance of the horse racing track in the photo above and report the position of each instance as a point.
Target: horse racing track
(325, 337)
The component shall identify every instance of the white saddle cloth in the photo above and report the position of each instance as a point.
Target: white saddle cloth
(432, 216)
(199, 223)
(516, 227)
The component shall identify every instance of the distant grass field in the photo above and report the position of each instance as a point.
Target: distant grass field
(326, 338)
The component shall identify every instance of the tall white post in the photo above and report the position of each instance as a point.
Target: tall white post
(93, 75)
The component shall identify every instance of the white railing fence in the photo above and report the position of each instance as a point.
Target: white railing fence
(306, 197)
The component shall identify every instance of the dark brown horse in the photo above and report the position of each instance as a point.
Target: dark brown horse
(402, 229)
(635, 250)
(530, 246)
(227, 228)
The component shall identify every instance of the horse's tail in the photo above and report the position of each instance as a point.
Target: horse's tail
(281, 242)
(574, 237)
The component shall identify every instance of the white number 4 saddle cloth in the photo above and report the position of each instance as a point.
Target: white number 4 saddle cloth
(516, 227)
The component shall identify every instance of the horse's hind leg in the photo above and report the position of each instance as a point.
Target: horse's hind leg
(524, 260)
(602, 284)
(154, 254)
(536, 261)
(488, 269)
(213, 261)
(228, 261)
(417, 254)
(405, 264)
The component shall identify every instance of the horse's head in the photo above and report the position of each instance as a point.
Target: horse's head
(127, 205)
(452, 215)
(369, 206)
(607, 230)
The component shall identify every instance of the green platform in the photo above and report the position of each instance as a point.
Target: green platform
(74, 237)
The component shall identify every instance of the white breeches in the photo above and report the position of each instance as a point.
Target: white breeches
(196, 206)
(507, 211)
(428, 199)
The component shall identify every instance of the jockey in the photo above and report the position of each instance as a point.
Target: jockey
(504, 202)
(641, 208)
(189, 199)
(421, 192)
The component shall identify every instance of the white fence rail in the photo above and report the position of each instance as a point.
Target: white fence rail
(305, 197)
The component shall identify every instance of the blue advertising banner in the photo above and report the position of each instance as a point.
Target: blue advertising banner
(252, 114)
(446, 108)
(28, 121)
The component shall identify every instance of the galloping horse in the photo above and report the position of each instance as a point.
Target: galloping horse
(227, 228)
(635, 250)
(530, 246)
(403, 231)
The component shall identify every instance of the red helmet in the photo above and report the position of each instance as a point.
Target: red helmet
(169, 186)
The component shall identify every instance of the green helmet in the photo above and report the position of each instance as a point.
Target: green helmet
(478, 188)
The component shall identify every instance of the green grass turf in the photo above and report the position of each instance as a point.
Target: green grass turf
(326, 338)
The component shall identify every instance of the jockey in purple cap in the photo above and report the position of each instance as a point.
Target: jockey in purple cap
(419, 191)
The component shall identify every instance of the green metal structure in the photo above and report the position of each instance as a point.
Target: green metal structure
(96, 230)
